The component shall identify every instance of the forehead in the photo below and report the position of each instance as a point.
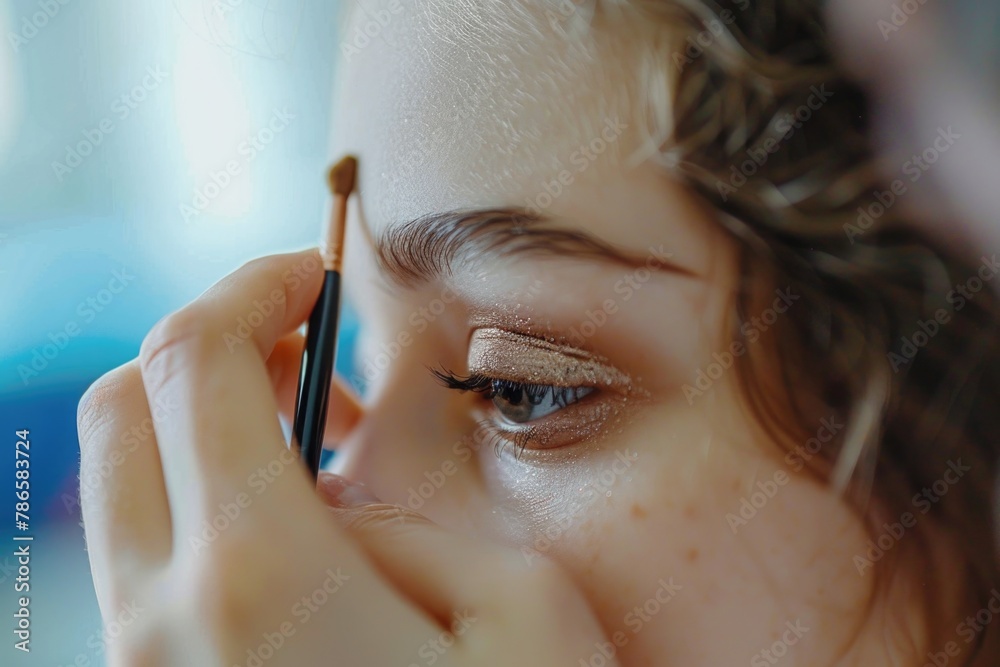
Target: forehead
(453, 104)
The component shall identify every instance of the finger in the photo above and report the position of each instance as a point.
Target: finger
(122, 495)
(208, 358)
(283, 366)
(440, 570)
(223, 448)
(460, 580)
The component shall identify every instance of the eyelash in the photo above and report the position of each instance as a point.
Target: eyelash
(489, 388)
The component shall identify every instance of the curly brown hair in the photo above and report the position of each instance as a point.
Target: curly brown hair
(745, 102)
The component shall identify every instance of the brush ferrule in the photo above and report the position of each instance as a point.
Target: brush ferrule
(332, 246)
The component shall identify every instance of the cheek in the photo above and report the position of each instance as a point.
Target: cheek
(647, 531)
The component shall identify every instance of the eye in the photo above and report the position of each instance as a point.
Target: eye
(521, 403)
(517, 402)
(542, 395)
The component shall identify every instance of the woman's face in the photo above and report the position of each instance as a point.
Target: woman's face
(697, 541)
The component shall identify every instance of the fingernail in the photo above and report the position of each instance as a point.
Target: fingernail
(339, 491)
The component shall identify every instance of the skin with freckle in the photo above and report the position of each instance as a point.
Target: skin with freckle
(462, 105)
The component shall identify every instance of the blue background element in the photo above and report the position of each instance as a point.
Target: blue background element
(113, 117)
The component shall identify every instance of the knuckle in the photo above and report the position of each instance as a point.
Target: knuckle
(185, 329)
(380, 516)
(269, 267)
(267, 264)
(93, 412)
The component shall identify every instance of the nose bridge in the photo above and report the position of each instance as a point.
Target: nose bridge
(410, 423)
(414, 447)
(405, 428)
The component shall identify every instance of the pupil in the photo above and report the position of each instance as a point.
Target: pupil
(509, 398)
(512, 395)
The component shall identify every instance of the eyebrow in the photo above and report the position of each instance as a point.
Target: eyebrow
(425, 248)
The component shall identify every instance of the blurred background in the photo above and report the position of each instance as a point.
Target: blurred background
(122, 125)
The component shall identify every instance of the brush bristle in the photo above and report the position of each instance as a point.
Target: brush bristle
(341, 176)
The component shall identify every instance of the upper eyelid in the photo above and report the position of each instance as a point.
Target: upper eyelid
(475, 382)
(513, 356)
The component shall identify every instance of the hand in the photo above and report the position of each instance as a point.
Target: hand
(210, 546)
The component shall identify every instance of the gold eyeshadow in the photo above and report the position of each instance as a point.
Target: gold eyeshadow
(512, 356)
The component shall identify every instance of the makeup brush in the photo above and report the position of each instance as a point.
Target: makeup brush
(321, 335)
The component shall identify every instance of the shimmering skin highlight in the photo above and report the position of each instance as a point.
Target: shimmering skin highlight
(512, 356)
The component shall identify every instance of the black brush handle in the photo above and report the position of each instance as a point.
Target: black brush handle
(316, 374)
